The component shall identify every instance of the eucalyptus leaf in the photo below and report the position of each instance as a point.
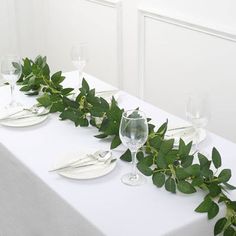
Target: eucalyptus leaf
(224, 175)
(115, 142)
(205, 206)
(185, 187)
(158, 179)
(170, 185)
(219, 226)
(126, 156)
(230, 231)
(145, 169)
(213, 211)
(216, 158)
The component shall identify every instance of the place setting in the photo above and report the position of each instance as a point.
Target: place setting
(193, 130)
(15, 114)
(85, 165)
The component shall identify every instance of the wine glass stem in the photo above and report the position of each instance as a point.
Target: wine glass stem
(134, 171)
(197, 139)
(80, 77)
(12, 87)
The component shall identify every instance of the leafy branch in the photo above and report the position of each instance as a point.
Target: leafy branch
(174, 168)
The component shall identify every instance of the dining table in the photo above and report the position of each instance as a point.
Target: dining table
(37, 202)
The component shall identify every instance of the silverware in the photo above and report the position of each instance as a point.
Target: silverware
(107, 91)
(107, 162)
(24, 117)
(183, 127)
(91, 159)
(35, 110)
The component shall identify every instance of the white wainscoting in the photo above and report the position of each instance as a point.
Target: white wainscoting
(177, 58)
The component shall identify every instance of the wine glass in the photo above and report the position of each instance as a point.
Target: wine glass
(133, 134)
(198, 113)
(11, 71)
(79, 58)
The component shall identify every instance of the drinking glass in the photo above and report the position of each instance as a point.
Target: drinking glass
(11, 72)
(133, 134)
(79, 58)
(198, 113)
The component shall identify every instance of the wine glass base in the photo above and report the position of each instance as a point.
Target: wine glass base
(133, 180)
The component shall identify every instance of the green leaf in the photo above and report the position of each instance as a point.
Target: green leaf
(25, 88)
(213, 211)
(148, 160)
(143, 168)
(69, 103)
(101, 136)
(193, 170)
(26, 68)
(44, 100)
(167, 145)
(229, 231)
(204, 162)
(229, 186)
(140, 156)
(224, 175)
(69, 114)
(156, 142)
(185, 187)
(83, 122)
(151, 128)
(85, 85)
(171, 157)
(198, 181)
(184, 149)
(219, 226)
(205, 205)
(162, 130)
(57, 106)
(158, 179)
(115, 142)
(126, 156)
(160, 161)
(57, 78)
(187, 161)
(216, 158)
(66, 91)
(181, 173)
(170, 185)
(214, 189)
(206, 172)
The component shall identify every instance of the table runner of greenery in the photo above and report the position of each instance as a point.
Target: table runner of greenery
(174, 168)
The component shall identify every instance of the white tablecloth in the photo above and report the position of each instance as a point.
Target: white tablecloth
(36, 202)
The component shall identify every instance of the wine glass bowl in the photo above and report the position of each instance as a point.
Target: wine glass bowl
(198, 112)
(133, 133)
(79, 58)
(11, 71)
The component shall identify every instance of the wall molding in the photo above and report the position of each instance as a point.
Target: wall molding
(104, 3)
(119, 32)
(144, 14)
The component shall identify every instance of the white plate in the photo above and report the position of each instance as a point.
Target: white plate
(83, 173)
(24, 122)
(187, 135)
(107, 95)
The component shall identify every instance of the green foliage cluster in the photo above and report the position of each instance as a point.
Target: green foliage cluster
(171, 167)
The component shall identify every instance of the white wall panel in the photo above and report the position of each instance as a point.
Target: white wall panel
(94, 22)
(8, 38)
(178, 60)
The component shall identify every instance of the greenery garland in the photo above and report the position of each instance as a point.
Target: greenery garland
(171, 167)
